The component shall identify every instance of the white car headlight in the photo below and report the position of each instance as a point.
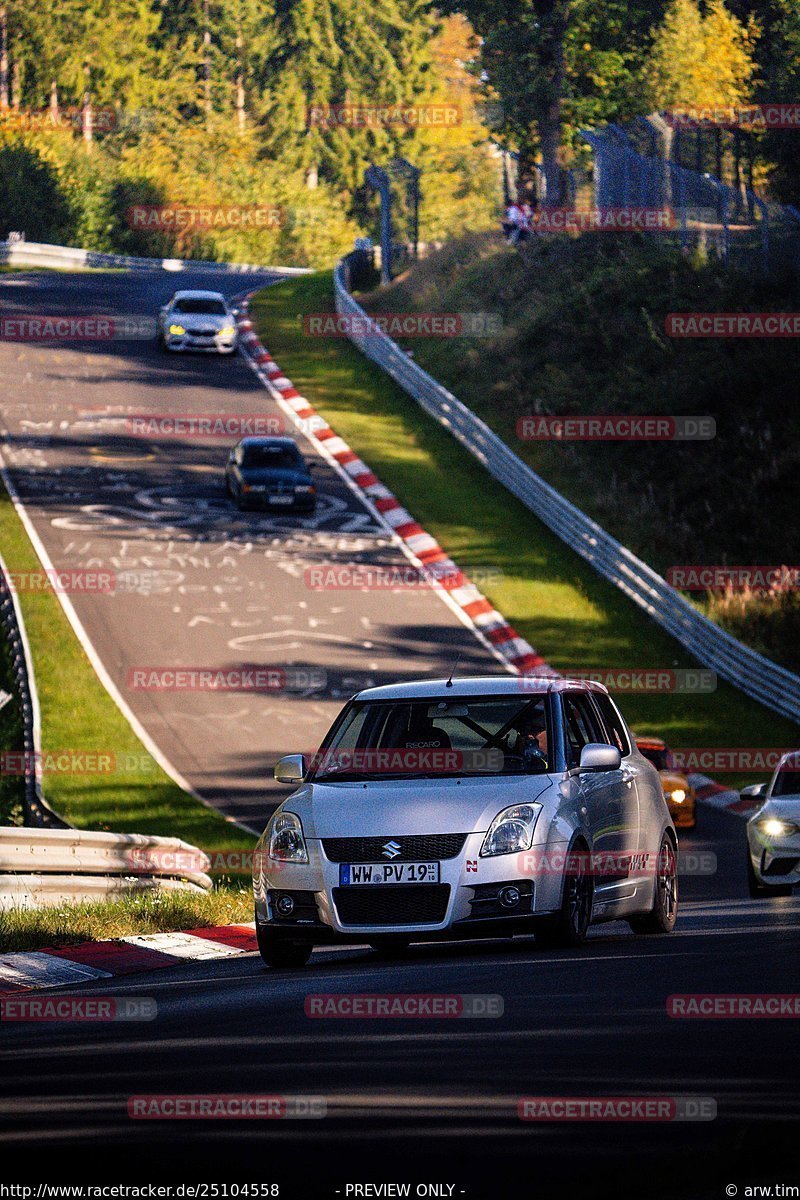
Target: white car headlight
(511, 830)
(286, 842)
(774, 828)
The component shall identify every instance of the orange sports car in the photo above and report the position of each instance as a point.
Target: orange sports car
(678, 792)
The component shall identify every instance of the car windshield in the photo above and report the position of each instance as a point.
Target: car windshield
(285, 458)
(200, 305)
(787, 782)
(404, 739)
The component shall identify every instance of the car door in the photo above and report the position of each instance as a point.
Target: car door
(624, 802)
(607, 799)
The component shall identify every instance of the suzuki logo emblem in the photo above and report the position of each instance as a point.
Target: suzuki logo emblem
(391, 849)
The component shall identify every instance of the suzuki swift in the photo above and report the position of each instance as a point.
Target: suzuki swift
(471, 808)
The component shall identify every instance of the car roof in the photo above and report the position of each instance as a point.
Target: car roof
(193, 294)
(479, 685)
(268, 441)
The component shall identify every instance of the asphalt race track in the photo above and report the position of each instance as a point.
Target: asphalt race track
(418, 1102)
(200, 584)
(436, 1100)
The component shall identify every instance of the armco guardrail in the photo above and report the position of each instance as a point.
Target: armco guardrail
(40, 254)
(751, 672)
(42, 867)
(12, 627)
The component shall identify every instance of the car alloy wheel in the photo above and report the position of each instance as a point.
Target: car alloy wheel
(570, 925)
(664, 913)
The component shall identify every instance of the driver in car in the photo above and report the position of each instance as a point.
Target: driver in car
(533, 742)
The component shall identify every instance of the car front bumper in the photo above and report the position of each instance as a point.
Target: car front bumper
(776, 861)
(465, 901)
(206, 345)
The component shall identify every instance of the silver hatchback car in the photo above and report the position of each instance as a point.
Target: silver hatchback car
(476, 807)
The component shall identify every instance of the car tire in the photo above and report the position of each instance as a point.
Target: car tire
(664, 913)
(162, 343)
(391, 947)
(279, 951)
(759, 890)
(570, 925)
(240, 504)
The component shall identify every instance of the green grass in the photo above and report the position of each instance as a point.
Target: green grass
(557, 602)
(162, 912)
(78, 714)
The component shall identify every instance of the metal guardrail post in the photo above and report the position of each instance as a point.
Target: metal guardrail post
(377, 178)
(765, 250)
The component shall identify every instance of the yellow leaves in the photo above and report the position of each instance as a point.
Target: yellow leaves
(701, 60)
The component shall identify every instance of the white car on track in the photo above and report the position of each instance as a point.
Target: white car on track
(773, 831)
(470, 808)
(197, 320)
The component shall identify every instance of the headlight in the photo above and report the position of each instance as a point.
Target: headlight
(679, 795)
(286, 841)
(511, 830)
(177, 330)
(228, 331)
(774, 828)
(304, 487)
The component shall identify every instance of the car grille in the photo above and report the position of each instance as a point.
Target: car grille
(393, 904)
(421, 848)
(203, 332)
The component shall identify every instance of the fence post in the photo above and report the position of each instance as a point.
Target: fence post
(762, 208)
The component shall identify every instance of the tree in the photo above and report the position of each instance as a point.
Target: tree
(523, 56)
(701, 60)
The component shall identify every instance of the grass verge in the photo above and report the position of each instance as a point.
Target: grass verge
(69, 924)
(78, 714)
(572, 616)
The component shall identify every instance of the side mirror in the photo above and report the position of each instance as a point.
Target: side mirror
(291, 769)
(755, 791)
(595, 756)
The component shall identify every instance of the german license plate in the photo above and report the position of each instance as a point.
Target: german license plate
(281, 499)
(353, 874)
